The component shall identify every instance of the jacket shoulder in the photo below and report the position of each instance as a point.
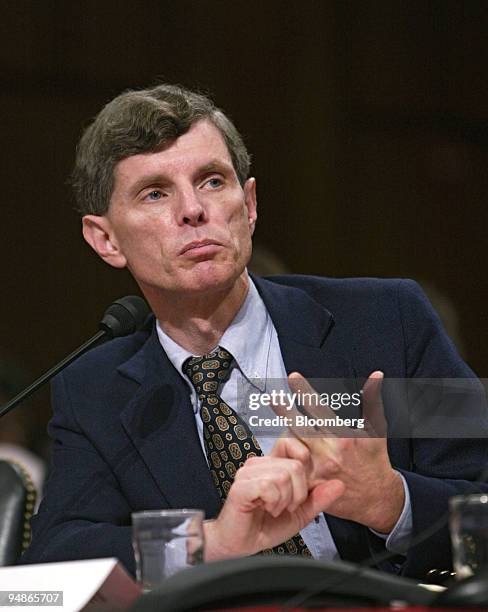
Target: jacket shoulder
(339, 293)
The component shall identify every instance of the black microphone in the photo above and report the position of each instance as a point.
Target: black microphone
(125, 316)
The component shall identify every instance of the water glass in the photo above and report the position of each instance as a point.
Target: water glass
(468, 523)
(165, 542)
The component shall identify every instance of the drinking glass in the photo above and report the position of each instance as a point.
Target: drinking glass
(165, 542)
(468, 523)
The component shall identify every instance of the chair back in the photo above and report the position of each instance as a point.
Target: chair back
(17, 499)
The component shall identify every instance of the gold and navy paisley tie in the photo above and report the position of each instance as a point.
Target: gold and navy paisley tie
(227, 438)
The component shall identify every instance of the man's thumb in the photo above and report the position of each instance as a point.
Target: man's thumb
(323, 496)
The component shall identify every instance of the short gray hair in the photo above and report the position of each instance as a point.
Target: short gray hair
(141, 122)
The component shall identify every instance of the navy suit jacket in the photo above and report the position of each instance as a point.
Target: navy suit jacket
(125, 437)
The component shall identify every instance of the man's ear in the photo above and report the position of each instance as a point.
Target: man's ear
(98, 233)
(251, 202)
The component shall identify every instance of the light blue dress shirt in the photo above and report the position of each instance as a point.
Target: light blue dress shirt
(252, 340)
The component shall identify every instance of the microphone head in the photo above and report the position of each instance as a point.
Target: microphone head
(125, 316)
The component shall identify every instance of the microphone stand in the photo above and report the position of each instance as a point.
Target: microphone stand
(52, 372)
(125, 316)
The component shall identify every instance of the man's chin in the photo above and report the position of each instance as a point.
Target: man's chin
(212, 277)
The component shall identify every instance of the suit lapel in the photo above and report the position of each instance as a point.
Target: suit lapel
(305, 331)
(160, 421)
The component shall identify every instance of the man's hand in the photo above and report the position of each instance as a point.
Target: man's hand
(269, 501)
(373, 492)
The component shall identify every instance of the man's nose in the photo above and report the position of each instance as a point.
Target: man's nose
(191, 210)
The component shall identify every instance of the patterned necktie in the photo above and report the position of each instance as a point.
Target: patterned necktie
(227, 438)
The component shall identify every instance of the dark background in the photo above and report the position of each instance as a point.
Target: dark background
(367, 121)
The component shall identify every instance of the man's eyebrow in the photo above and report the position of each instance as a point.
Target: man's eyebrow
(147, 180)
(216, 165)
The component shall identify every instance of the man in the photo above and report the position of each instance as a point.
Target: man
(161, 179)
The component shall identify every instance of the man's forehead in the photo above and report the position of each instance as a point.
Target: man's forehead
(202, 146)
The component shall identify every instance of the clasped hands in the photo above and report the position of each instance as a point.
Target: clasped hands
(346, 473)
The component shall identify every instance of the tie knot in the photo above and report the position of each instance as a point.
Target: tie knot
(207, 372)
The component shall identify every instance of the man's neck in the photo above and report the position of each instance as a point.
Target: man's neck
(197, 323)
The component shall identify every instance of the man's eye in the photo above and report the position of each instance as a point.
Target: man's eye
(154, 195)
(214, 183)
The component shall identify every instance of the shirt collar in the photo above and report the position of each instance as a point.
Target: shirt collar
(247, 338)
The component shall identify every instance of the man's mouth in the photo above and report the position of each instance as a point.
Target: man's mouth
(198, 247)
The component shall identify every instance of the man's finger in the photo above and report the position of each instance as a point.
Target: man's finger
(292, 448)
(280, 483)
(291, 413)
(373, 410)
(321, 498)
(315, 410)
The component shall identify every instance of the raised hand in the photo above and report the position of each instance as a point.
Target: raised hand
(373, 493)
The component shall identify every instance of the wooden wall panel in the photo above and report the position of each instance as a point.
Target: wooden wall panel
(367, 122)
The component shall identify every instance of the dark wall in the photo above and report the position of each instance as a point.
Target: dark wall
(367, 122)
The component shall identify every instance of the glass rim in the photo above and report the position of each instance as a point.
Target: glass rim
(170, 513)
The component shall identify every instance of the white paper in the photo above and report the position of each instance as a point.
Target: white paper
(94, 585)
